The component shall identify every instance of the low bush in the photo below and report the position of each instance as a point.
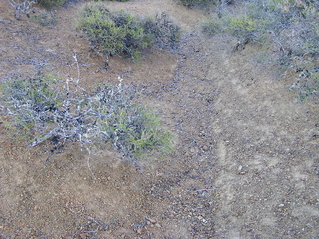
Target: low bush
(51, 3)
(245, 23)
(162, 31)
(290, 27)
(123, 33)
(196, 3)
(42, 110)
(45, 18)
(115, 33)
(306, 86)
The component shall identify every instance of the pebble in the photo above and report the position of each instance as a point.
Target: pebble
(139, 231)
(83, 235)
(205, 148)
(194, 150)
(151, 220)
(157, 225)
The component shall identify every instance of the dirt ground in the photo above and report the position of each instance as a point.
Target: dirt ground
(246, 162)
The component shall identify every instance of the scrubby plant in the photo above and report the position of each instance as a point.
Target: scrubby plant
(123, 33)
(193, 3)
(113, 33)
(245, 24)
(45, 18)
(291, 27)
(43, 110)
(51, 3)
(25, 6)
(306, 86)
(212, 26)
(22, 6)
(162, 31)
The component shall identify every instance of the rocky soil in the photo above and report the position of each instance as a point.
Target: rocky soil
(246, 163)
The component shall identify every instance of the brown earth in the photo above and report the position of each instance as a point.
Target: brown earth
(246, 161)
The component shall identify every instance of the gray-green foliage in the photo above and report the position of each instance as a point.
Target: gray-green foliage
(290, 27)
(42, 110)
(293, 25)
(306, 86)
(45, 18)
(162, 31)
(193, 3)
(123, 33)
(113, 33)
(245, 23)
(51, 3)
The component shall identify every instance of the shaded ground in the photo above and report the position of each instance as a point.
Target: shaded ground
(246, 162)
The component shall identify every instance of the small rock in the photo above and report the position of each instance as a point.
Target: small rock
(281, 205)
(83, 235)
(151, 220)
(194, 150)
(157, 225)
(205, 148)
(139, 231)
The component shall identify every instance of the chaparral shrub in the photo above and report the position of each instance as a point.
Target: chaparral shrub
(192, 3)
(290, 26)
(51, 3)
(113, 33)
(123, 33)
(42, 110)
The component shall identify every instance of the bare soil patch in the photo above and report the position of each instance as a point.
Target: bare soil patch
(246, 161)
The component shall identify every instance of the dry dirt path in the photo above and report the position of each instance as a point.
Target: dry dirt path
(264, 155)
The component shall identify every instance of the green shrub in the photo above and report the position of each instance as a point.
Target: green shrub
(193, 3)
(162, 32)
(289, 27)
(292, 26)
(212, 26)
(42, 111)
(123, 33)
(51, 3)
(113, 33)
(306, 86)
(44, 18)
(245, 26)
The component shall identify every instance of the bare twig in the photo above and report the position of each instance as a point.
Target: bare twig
(24, 6)
(88, 162)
